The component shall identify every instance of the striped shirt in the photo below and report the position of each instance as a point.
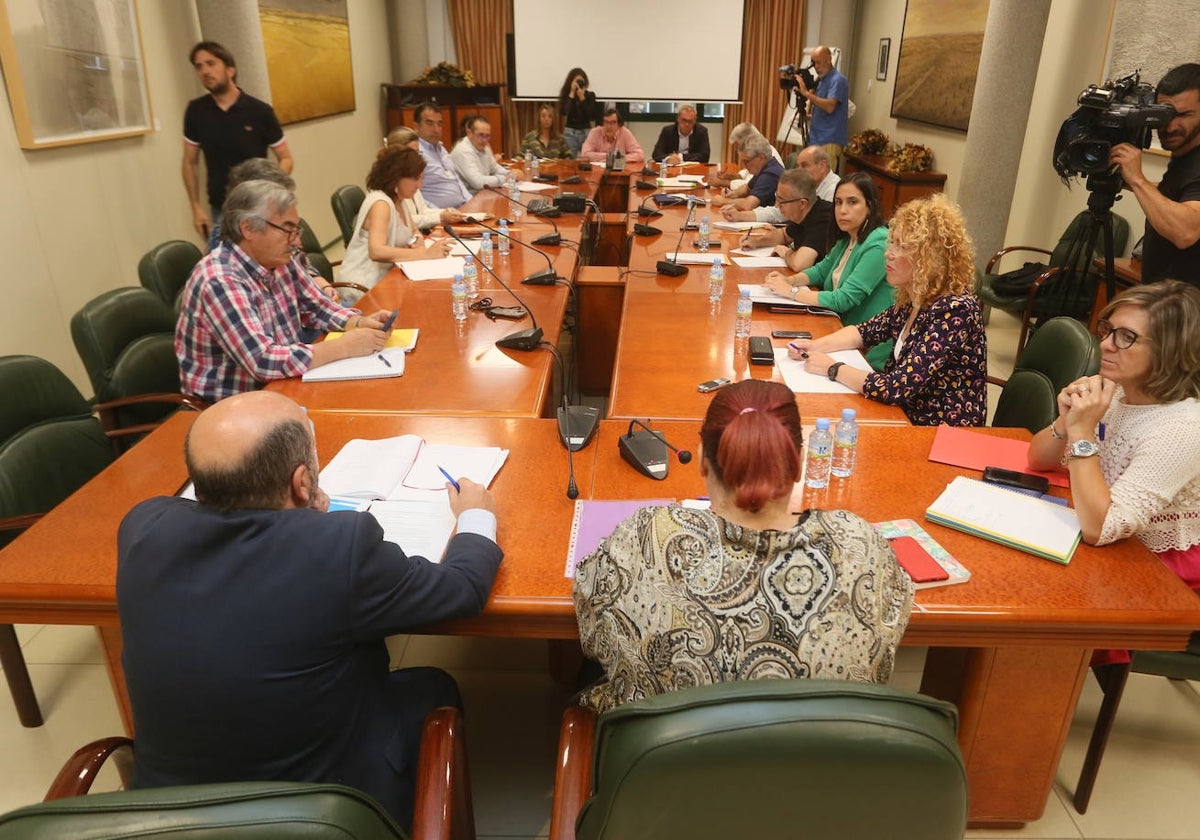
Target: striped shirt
(239, 323)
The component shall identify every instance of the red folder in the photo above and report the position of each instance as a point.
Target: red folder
(964, 448)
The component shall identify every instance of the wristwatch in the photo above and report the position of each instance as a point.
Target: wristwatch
(1081, 449)
(833, 371)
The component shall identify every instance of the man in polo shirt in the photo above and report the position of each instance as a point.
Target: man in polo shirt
(755, 155)
(441, 186)
(228, 126)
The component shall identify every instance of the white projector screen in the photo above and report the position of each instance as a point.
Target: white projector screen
(665, 50)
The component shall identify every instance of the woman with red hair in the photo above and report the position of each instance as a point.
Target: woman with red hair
(678, 597)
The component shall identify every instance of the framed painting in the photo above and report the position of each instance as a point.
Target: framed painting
(939, 60)
(307, 46)
(74, 70)
(881, 66)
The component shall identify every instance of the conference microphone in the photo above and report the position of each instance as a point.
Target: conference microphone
(528, 339)
(644, 185)
(642, 229)
(548, 277)
(576, 425)
(672, 268)
(645, 211)
(646, 451)
(549, 213)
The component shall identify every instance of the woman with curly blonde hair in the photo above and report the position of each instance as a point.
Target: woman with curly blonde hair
(937, 371)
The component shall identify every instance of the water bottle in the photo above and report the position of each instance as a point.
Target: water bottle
(471, 277)
(845, 444)
(535, 167)
(503, 238)
(745, 306)
(514, 205)
(458, 298)
(702, 240)
(716, 280)
(662, 171)
(485, 250)
(820, 446)
(528, 161)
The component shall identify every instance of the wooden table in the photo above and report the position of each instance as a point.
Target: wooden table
(1010, 647)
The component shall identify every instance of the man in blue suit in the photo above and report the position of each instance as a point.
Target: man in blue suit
(254, 619)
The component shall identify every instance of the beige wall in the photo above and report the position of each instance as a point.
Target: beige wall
(74, 221)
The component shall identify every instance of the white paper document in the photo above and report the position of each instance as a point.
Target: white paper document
(760, 262)
(467, 246)
(739, 225)
(761, 294)
(802, 382)
(373, 366)
(442, 269)
(421, 527)
(767, 251)
(388, 468)
(681, 183)
(535, 186)
(697, 258)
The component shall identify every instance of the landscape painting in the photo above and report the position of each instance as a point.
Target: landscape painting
(307, 45)
(939, 60)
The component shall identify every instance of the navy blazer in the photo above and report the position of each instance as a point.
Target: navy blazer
(668, 143)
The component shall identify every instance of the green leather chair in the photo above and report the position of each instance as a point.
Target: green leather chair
(50, 445)
(763, 758)
(346, 201)
(262, 810)
(1174, 665)
(1058, 353)
(165, 269)
(126, 340)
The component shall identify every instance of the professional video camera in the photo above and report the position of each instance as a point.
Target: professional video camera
(787, 71)
(1123, 111)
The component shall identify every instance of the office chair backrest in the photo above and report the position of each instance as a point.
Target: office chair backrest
(346, 201)
(308, 238)
(1027, 401)
(238, 811)
(165, 269)
(1062, 349)
(1058, 257)
(749, 759)
(50, 444)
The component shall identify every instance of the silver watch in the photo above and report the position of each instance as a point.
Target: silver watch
(1083, 448)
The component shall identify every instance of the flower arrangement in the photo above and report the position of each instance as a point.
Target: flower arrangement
(911, 157)
(869, 142)
(445, 73)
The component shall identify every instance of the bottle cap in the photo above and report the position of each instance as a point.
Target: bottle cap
(717, 262)
(848, 414)
(745, 293)
(823, 424)
(470, 258)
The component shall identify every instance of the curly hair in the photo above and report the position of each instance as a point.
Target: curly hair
(1172, 310)
(391, 164)
(933, 234)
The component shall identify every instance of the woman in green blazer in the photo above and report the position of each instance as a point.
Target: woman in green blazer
(851, 279)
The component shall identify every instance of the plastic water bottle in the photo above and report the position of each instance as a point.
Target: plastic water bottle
(716, 280)
(535, 167)
(514, 199)
(471, 276)
(820, 447)
(485, 250)
(745, 306)
(662, 171)
(528, 161)
(503, 237)
(845, 444)
(702, 240)
(458, 298)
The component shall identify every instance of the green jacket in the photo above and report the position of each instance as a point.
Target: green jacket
(864, 291)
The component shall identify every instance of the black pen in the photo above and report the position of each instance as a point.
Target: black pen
(384, 360)
(387, 325)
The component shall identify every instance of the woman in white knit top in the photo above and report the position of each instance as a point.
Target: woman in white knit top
(1130, 436)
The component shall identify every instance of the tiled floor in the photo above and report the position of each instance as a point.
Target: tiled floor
(1147, 788)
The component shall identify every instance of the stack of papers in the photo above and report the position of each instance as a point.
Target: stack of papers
(405, 339)
(697, 257)
(440, 269)
(767, 260)
(761, 294)
(385, 364)
(802, 382)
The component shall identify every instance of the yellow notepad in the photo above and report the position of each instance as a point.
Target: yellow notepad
(404, 339)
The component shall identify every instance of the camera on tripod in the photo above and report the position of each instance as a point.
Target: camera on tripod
(787, 71)
(1121, 111)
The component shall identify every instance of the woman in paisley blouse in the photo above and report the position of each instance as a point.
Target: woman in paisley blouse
(678, 597)
(937, 371)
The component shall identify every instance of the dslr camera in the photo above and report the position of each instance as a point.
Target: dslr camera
(1121, 111)
(787, 71)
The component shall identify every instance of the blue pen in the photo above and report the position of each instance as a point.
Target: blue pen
(1101, 430)
(383, 359)
(442, 470)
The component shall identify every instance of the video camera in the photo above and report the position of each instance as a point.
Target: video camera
(787, 71)
(1121, 111)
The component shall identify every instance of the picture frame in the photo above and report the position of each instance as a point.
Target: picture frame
(885, 54)
(75, 71)
(940, 41)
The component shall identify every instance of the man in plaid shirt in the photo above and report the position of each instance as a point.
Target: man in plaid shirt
(247, 300)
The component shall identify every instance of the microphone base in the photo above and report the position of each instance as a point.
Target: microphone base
(549, 213)
(671, 269)
(576, 425)
(541, 278)
(644, 185)
(646, 230)
(645, 453)
(522, 340)
(550, 239)
(648, 211)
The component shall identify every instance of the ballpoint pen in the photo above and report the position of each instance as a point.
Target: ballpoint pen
(794, 346)
(383, 359)
(442, 470)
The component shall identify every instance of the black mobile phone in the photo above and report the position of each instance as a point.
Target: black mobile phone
(712, 385)
(1019, 480)
(515, 313)
(790, 334)
(761, 352)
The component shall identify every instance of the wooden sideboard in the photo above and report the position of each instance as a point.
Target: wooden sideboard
(455, 102)
(895, 188)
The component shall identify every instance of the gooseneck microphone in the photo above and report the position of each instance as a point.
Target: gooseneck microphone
(672, 267)
(644, 211)
(646, 451)
(528, 339)
(549, 214)
(547, 277)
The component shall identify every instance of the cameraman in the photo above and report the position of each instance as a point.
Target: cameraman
(1171, 248)
(830, 126)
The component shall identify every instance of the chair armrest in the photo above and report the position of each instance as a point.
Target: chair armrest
(76, 776)
(573, 774)
(185, 400)
(996, 257)
(19, 523)
(346, 284)
(996, 380)
(443, 809)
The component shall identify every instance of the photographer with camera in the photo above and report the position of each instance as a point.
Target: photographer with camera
(830, 120)
(1171, 249)
(579, 108)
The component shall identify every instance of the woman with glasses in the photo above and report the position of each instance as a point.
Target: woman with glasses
(386, 231)
(850, 280)
(937, 371)
(1130, 436)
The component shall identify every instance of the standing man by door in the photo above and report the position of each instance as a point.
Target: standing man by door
(830, 127)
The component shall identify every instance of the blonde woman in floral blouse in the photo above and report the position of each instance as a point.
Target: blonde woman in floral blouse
(545, 141)
(937, 371)
(678, 597)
